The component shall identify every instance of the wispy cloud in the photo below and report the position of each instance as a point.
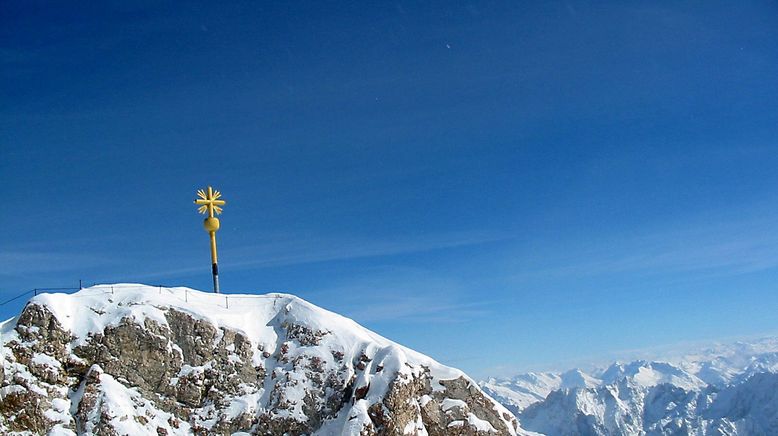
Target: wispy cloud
(300, 251)
(14, 263)
(284, 250)
(73, 254)
(738, 247)
(405, 294)
(420, 309)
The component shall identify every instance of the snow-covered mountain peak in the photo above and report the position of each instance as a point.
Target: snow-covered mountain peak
(718, 390)
(135, 359)
(647, 374)
(576, 378)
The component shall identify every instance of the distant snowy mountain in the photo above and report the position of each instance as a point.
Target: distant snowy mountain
(138, 360)
(526, 389)
(723, 390)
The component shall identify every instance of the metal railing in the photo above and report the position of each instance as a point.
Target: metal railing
(111, 289)
(36, 291)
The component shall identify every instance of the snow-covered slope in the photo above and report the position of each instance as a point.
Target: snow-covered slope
(728, 389)
(519, 392)
(134, 359)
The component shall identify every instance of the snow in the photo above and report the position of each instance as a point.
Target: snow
(717, 365)
(45, 360)
(479, 423)
(259, 317)
(59, 430)
(125, 404)
(244, 404)
(188, 370)
(91, 310)
(7, 390)
(60, 411)
(724, 389)
(449, 403)
(523, 390)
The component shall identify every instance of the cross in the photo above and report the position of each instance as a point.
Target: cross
(209, 202)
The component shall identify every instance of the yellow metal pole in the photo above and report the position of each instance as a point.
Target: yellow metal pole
(214, 258)
(214, 263)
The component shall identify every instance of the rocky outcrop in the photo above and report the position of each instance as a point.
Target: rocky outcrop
(151, 367)
(35, 382)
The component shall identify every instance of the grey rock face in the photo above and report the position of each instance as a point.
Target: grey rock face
(27, 395)
(187, 375)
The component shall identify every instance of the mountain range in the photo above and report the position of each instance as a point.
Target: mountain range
(729, 389)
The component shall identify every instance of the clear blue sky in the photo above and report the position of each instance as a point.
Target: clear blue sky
(501, 185)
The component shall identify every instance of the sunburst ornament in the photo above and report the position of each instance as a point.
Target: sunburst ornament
(209, 201)
(210, 204)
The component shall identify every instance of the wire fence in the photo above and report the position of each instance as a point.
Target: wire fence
(180, 293)
(37, 291)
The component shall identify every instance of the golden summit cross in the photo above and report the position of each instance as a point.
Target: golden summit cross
(211, 205)
(209, 201)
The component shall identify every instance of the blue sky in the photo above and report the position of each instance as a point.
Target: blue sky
(504, 186)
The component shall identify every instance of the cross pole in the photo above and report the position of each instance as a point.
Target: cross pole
(211, 205)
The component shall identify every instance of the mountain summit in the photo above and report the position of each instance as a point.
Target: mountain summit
(134, 359)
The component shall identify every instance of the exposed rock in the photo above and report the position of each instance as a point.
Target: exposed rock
(150, 364)
(137, 353)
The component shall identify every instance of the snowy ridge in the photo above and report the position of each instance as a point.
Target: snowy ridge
(724, 389)
(524, 390)
(93, 309)
(127, 357)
